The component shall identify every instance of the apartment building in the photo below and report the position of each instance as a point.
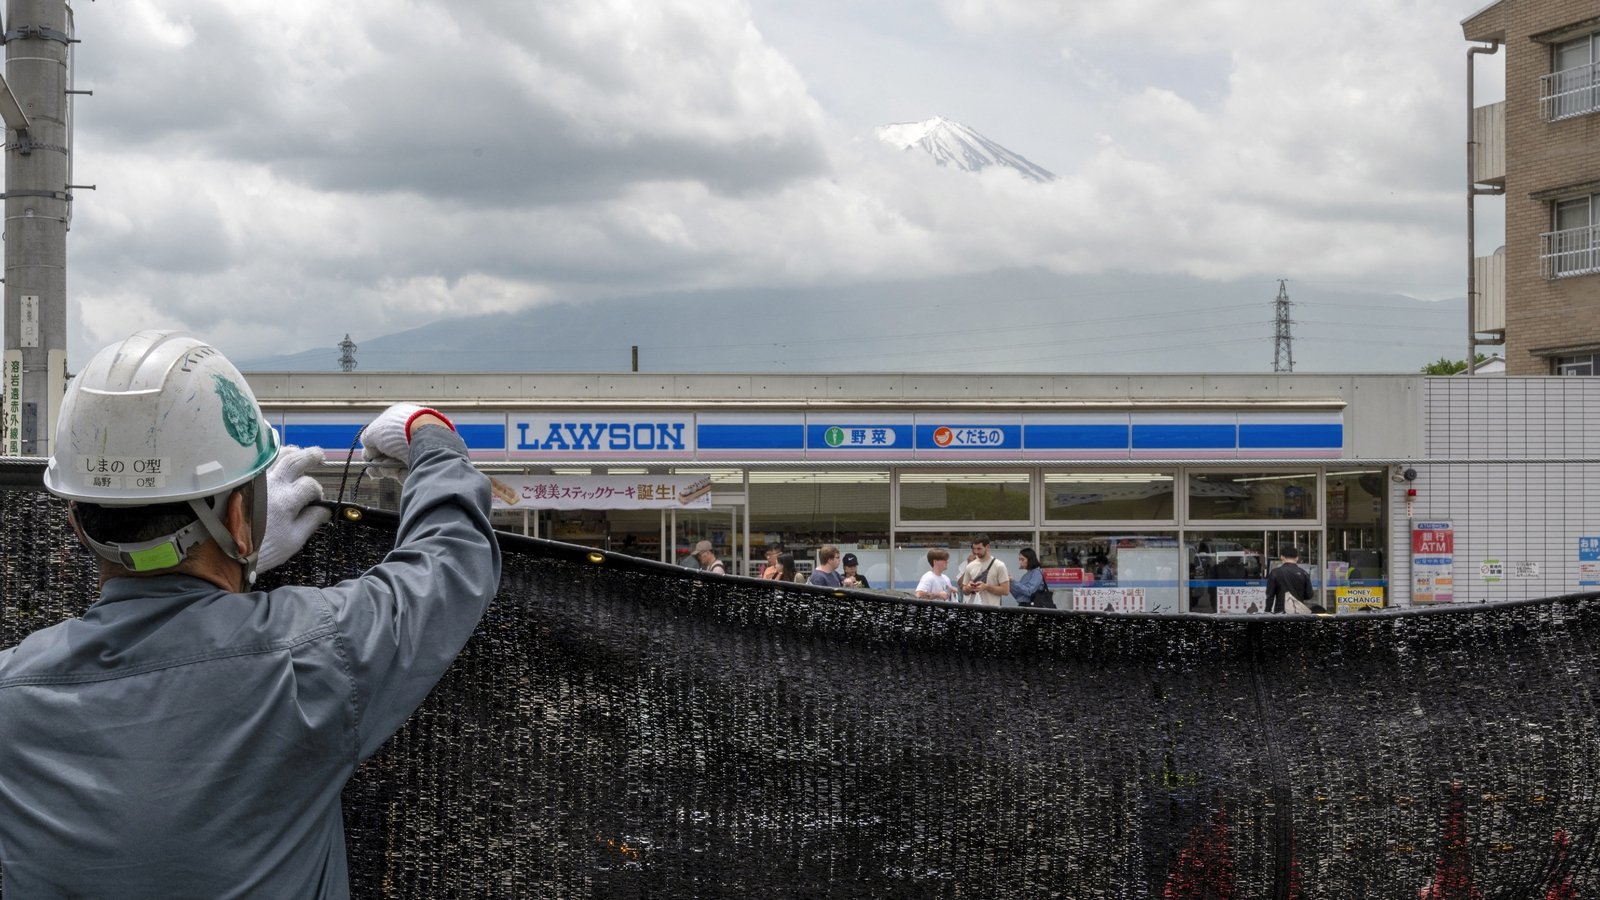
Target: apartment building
(1540, 293)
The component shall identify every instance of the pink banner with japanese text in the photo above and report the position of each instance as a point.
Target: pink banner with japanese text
(601, 491)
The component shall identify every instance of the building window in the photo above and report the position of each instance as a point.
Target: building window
(1253, 495)
(1573, 86)
(801, 511)
(970, 496)
(1576, 365)
(1120, 571)
(1228, 569)
(1573, 248)
(1108, 496)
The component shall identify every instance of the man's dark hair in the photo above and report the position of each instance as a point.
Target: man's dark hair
(1290, 552)
(981, 539)
(133, 524)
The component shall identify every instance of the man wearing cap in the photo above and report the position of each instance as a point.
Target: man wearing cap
(706, 556)
(189, 736)
(852, 578)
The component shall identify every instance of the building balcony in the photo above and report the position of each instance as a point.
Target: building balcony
(1570, 92)
(1489, 303)
(1489, 144)
(1574, 251)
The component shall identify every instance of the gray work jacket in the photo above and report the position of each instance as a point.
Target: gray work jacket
(179, 741)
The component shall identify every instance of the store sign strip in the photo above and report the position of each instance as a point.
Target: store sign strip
(759, 436)
(689, 436)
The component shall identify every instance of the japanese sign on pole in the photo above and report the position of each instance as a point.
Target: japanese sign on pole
(1433, 556)
(1589, 561)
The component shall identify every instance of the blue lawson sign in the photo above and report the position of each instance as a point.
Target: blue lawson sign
(552, 436)
(527, 435)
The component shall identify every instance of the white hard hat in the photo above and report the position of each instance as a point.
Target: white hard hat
(162, 417)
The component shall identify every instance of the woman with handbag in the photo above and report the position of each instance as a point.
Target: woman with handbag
(1029, 589)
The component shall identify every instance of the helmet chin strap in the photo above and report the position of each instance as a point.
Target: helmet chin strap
(170, 551)
(209, 511)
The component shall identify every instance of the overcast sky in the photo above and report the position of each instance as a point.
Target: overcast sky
(275, 173)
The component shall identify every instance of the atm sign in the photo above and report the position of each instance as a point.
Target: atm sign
(1427, 541)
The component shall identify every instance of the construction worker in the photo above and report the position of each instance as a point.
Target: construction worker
(188, 737)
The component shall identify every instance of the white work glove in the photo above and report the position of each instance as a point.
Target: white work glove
(290, 516)
(386, 441)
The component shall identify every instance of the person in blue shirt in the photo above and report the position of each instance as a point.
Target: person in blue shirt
(1030, 581)
(826, 572)
(188, 736)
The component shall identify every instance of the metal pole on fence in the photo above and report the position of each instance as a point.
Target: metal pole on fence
(37, 200)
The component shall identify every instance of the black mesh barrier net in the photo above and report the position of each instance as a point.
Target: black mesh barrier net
(625, 729)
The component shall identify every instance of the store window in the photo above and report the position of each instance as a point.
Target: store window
(911, 553)
(1253, 495)
(720, 524)
(801, 511)
(1228, 569)
(635, 531)
(1358, 526)
(965, 496)
(1116, 571)
(1108, 496)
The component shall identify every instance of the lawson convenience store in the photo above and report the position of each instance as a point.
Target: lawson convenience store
(1138, 494)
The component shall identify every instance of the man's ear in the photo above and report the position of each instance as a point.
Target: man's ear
(237, 520)
(72, 516)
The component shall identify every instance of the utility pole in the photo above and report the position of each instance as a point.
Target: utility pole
(38, 35)
(347, 354)
(1282, 341)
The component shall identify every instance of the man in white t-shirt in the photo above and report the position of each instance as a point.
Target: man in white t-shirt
(936, 585)
(985, 579)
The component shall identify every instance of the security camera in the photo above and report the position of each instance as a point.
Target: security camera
(1402, 476)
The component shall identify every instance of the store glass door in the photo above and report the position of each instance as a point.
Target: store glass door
(719, 525)
(1228, 569)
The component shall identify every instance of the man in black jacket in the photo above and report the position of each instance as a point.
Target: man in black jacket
(1288, 578)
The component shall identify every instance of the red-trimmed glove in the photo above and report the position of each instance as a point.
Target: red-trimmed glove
(386, 441)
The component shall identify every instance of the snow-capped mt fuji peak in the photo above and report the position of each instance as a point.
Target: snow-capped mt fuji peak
(951, 143)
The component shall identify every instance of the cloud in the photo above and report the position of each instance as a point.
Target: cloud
(479, 103)
(276, 173)
(1338, 125)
